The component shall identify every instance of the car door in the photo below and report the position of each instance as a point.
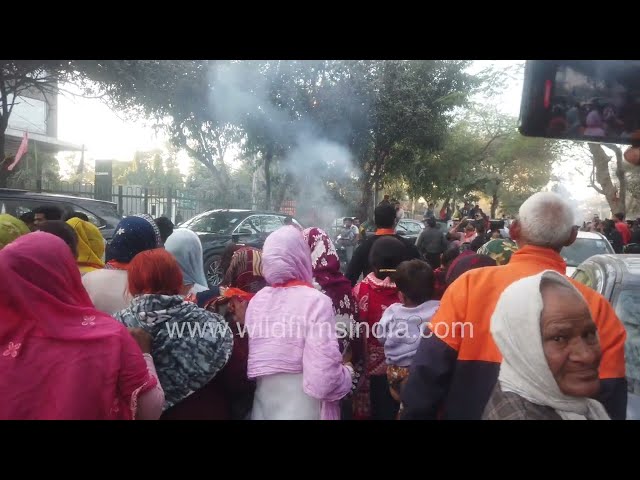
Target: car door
(626, 301)
(249, 232)
(270, 223)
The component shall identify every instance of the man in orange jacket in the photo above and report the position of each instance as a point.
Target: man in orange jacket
(457, 363)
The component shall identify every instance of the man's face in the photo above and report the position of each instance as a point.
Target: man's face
(348, 223)
(356, 222)
(39, 219)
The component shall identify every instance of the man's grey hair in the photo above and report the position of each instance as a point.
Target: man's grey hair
(546, 220)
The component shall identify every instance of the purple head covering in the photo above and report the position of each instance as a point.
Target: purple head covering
(286, 257)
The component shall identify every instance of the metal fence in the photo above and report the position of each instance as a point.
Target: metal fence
(177, 204)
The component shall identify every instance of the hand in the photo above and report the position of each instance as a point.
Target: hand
(143, 338)
(352, 370)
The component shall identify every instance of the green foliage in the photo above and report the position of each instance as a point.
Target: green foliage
(485, 154)
(149, 169)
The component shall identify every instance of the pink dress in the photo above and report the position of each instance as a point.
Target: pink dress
(293, 349)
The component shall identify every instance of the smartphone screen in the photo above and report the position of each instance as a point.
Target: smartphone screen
(584, 100)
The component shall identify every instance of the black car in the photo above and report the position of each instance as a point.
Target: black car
(617, 278)
(218, 228)
(407, 228)
(103, 215)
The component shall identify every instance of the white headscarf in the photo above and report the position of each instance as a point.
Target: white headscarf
(516, 329)
(185, 245)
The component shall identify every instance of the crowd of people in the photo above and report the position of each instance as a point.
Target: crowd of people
(469, 325)
(623, 236)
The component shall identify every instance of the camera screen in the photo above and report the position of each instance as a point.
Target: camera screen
(594, 100)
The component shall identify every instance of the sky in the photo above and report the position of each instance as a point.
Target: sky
(110, 135)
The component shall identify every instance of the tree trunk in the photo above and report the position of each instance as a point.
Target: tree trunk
(622, 179)
(633, 191)
(267, 179)
(600, 174)
(282, 191)
(365, 201)
(494, 204)
(222, 187)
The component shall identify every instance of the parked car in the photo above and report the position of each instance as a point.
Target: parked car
(586, 245)
(103, 215)
(219, 228)
(406, 227)
(617, 278)
(409, 228)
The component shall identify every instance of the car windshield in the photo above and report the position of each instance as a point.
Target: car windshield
(217, 222)
(584, 248)
(627, 307)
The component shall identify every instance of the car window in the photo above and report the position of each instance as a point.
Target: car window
(106, 213)
(414, 227)
(584, 248)
(591, 276)
(585, 277)
(270, 223)
(627, 305)
(20, 206)
(251, 224)
(401, 228)
(218, 222)
(92, 218)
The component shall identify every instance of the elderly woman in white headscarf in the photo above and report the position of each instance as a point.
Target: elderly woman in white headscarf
(185, 245)
(551, 353)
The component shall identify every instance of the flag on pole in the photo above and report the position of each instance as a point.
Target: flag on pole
(24, 146)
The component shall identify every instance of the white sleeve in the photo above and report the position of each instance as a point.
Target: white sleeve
(385, 323)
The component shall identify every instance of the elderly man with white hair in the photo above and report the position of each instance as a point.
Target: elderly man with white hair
(457, 363)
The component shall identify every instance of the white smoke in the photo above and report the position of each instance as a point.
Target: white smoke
(239, 93)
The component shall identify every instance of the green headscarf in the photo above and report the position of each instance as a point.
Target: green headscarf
(500, 249)
(10, 229)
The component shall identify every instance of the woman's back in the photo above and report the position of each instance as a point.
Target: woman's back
(107, 289)
(291, 328)
(61, 358)
(277, 323)
(76, 383)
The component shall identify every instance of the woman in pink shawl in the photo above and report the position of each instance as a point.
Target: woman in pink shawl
(60, 358)
(293, 351)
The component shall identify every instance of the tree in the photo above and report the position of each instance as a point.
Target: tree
(75, 170)
(392, 111)
(176, 94)
(484, 153)
(447, 174)
(18, 77)
(199, 181)
(514, 167)
(600, 178)
(154, 169)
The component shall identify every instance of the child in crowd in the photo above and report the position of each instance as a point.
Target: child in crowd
(402, 324)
